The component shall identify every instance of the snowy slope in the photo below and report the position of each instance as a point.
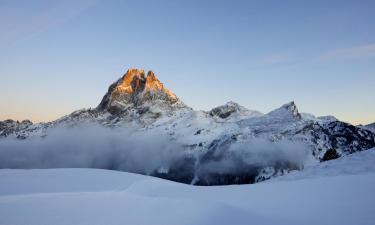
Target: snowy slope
(232, 111)
(370, 126)
(353, 164)
(91, 196)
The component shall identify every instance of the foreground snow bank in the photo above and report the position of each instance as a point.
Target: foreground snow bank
(91, 196)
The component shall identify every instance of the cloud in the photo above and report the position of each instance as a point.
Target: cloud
(90, 146)
(94, 146)
(360, 51)
(254, 154)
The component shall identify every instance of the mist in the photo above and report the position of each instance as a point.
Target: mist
(90, 146)
(94, 146)
(242, 162)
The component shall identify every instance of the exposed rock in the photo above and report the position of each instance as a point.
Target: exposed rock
(10, 127)
(133, 90)
(231, 108)
(330, 154)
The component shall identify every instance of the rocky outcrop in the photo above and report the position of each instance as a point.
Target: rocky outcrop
(232, 108)
(330, 155)
(11, 127)
(135, 89)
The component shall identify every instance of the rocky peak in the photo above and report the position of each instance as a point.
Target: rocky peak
(288, 110)
(131, 82)
(135, 89)
(225, 111)
(291, 107)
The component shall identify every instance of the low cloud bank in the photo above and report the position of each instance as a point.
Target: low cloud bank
(90, 147)
(244, 162)
(147, 153)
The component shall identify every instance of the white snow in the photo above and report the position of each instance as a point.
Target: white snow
(356, 163)
(92, 196)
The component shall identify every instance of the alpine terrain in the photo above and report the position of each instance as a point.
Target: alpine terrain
(221, 146)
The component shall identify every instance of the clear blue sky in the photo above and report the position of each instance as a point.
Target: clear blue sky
(59, 56)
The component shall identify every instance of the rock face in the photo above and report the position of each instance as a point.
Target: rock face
(135, 89)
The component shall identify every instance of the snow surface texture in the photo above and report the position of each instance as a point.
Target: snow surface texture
(356, 163)
(91, 196)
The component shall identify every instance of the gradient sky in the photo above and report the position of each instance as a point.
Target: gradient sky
(60, 56)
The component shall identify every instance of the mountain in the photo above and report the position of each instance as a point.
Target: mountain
(226, 145)
(136, 90)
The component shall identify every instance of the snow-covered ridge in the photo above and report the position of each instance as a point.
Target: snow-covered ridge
(224, 135)
(288, 110)
(370, 126)
(233, 111)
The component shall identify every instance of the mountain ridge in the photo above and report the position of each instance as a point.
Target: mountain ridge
(141, 103)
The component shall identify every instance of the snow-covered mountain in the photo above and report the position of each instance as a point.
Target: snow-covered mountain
(142, 104)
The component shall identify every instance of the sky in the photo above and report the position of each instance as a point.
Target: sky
(60, 56)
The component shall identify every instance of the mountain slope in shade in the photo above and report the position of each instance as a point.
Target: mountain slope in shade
(142, 104)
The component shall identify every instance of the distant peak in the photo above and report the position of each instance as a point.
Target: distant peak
(229, 108)
(135, 88)
(289, 104)
(286, 110)
(232, 103)
(292, 107)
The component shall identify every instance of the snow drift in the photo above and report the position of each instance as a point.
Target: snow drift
(96, 197)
